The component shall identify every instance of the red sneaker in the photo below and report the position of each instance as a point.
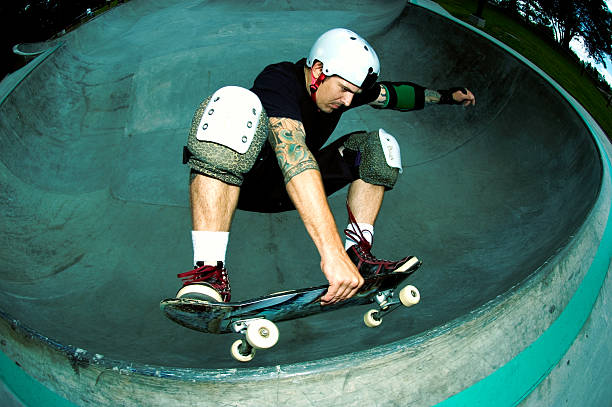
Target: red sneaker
(366, 263)
(204, 282)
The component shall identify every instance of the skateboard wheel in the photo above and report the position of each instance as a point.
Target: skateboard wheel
(371, 318)
(409, 296)
(235, 350)
(262, 334)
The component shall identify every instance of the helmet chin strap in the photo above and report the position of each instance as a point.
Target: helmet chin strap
(314, 84)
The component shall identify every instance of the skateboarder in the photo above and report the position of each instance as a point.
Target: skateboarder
(260, 150)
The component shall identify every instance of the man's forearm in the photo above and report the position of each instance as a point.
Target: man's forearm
(406, 96)
(304, 184)
(305, 188)
(308, 195)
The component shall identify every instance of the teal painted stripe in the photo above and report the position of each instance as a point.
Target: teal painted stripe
(27, 390)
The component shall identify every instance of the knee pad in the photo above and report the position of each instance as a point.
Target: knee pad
(227, 133)
(381, 162)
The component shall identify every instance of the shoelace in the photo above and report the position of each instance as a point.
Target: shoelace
(357, 235)
(203, 274)
(364, 247)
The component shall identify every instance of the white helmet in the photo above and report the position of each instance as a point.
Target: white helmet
(347, 55)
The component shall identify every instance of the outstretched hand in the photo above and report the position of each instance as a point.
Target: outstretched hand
(344, 280)
(464, 96)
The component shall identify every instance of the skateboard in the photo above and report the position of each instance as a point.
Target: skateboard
(255, 319)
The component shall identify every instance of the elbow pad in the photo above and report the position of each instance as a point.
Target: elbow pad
(404, 96)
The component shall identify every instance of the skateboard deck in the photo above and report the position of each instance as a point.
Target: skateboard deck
(255, 317)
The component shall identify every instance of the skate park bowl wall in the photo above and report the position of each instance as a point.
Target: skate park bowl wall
(507, 204)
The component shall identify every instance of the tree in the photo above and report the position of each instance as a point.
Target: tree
(597, 35)
(589, 20)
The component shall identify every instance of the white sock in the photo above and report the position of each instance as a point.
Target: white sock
(366, 229)
(209, 247)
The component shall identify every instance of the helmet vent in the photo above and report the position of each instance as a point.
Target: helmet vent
(353, 38)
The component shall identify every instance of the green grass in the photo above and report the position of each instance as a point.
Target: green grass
(527, 42)
(107, 7)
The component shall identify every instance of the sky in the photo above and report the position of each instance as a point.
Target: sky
(576, 45)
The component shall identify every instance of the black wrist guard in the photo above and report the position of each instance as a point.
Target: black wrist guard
(446, 96)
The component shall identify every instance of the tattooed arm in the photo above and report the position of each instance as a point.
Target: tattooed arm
(305, 188)
(288, 138)
(382, 100)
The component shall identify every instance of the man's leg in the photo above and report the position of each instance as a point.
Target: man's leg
(379, 166)
(365, 200)
(227, 133)
(366, 192)
(213, 204)
(340, 164)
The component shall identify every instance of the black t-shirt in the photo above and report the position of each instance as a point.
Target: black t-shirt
(282, 90)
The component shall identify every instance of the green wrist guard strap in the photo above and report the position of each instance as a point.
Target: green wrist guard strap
(404, 96)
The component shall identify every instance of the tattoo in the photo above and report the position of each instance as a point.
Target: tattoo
(288, 139)
(432, 97)
(381, 101)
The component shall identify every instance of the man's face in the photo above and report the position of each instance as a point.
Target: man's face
(335, 92)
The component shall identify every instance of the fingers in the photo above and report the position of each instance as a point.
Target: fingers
(330, 297)
(464, 97)
(468, 98)
(471, 99)
(342, 290)
(355, 288)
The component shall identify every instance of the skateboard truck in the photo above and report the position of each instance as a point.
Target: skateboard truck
(408, 296)
(383, 297)
(259, 333)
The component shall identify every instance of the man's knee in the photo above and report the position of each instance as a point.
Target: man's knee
(227, 133)
(380, 157)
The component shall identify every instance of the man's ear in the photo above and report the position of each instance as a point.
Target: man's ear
(317, 68)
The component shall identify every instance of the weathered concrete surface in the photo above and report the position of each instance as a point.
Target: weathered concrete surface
(506, 203)
(582, 376)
